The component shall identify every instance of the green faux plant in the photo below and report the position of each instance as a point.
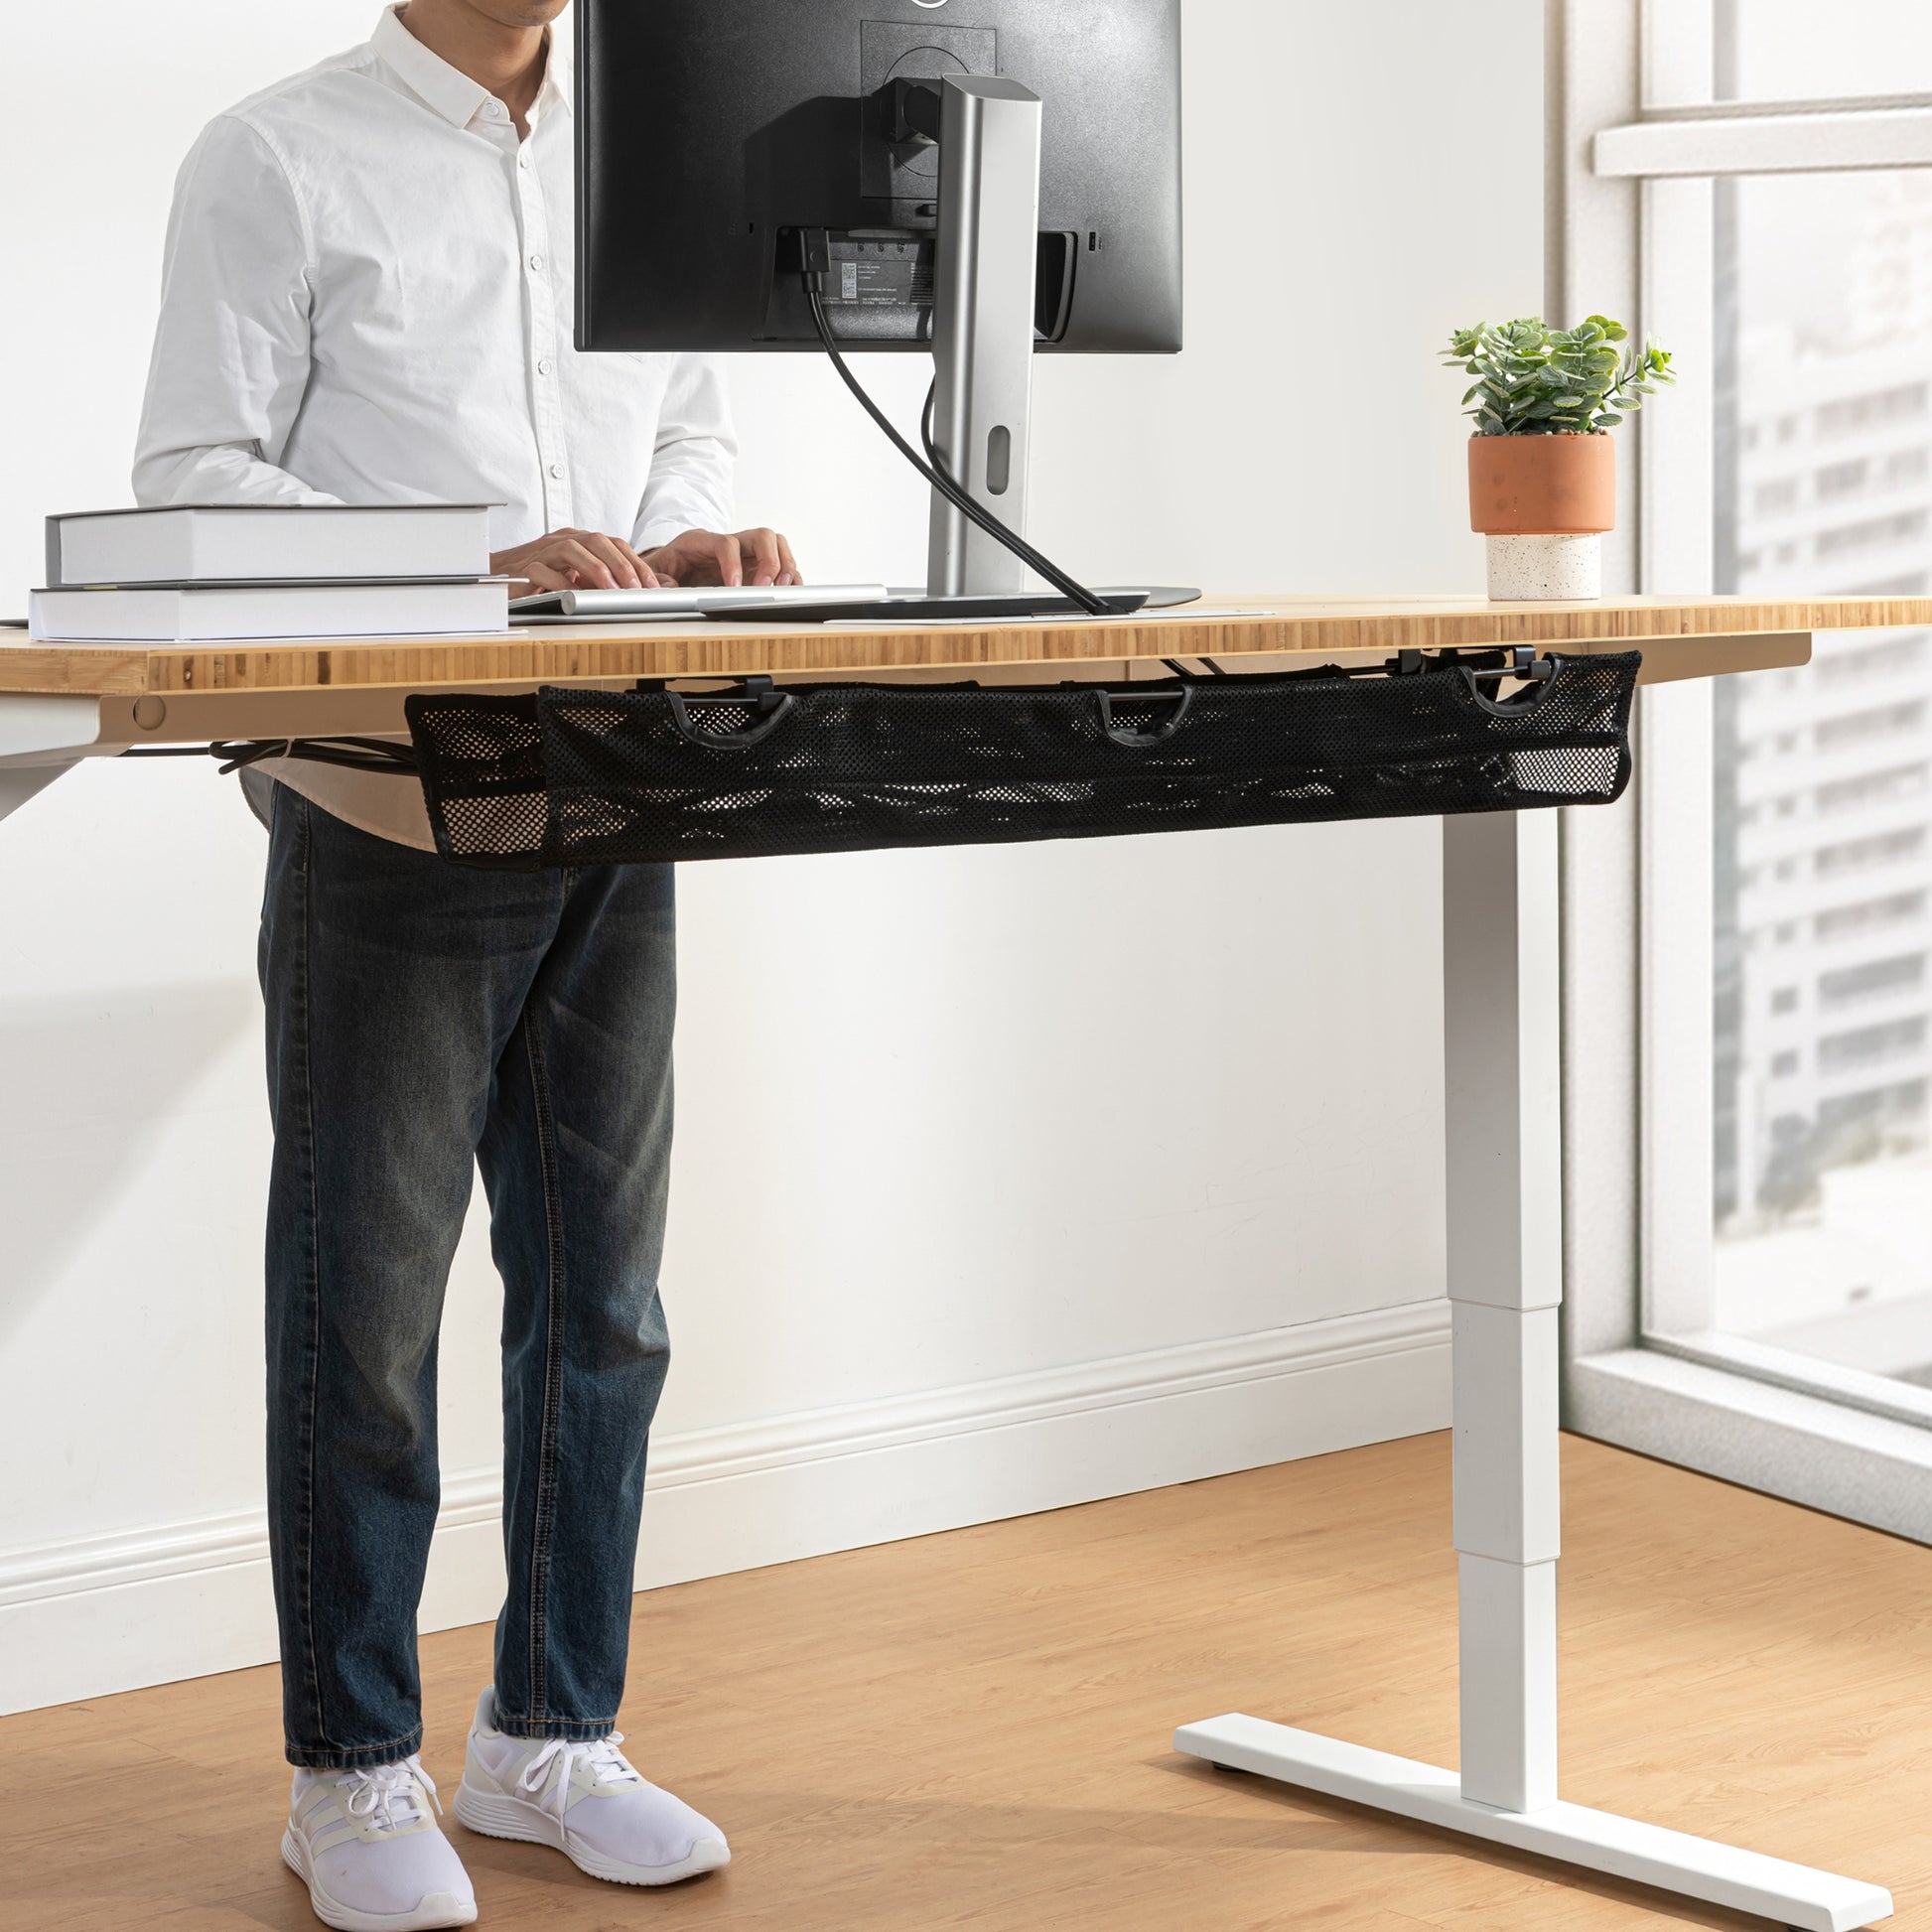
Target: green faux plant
(1535, 380)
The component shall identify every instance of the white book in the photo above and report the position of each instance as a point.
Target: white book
(248, 542)
(206, 615)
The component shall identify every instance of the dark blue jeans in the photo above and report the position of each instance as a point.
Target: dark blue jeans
(421, 1019)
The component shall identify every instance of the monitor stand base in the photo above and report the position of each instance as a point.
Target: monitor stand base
(912, 608)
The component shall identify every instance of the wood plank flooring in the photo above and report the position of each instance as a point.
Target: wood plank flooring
(972, 1729)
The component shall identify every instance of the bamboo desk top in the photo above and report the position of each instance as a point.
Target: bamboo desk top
(1301, 626)
(263, 689)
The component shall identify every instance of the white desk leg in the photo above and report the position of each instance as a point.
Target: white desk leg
(1504, 1136)
(39, 738)
(19, 782)
(1500, 985)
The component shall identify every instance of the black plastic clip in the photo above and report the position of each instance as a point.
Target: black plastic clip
(1523, 665)
(766, 697)
(768, 706)
(1144, 738)
(1536, 678)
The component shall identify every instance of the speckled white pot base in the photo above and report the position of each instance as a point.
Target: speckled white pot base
(1525, 568)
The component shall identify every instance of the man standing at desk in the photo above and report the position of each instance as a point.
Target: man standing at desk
(367, 298)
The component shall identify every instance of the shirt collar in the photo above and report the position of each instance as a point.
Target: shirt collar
(557, 70)
(447, 90)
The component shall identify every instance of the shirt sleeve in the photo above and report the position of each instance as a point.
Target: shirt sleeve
(230, 358)
(694, 459)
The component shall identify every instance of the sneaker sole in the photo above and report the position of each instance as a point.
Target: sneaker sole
(498, 1817)
(428, 1916)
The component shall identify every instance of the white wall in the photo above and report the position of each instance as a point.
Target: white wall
(1006, 1177)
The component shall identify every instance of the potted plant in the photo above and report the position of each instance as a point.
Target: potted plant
(1542, 464)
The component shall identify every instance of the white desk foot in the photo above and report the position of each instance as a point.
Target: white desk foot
(1674, 1861)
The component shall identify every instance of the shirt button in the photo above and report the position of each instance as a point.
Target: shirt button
(536, 261)
(545, 366)
(557, 470)
(522, 159)
(492, 108)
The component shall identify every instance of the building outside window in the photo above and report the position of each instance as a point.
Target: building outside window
(1762, 192)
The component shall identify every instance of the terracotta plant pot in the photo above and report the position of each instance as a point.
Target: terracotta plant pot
(1543, 501)
(1542, 486)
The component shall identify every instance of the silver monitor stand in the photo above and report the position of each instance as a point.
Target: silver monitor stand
(983, 325)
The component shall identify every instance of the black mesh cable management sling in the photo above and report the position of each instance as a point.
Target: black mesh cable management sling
(571, 776)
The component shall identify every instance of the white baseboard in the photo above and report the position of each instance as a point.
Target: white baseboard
(109, 1613)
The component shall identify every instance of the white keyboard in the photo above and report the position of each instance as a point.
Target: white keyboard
(680, 601)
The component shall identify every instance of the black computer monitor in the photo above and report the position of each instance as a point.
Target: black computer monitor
(713, 133)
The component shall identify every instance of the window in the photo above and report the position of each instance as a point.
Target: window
(1871, 789)
(1860, 415)
(1764, 206)
(1868, 917)
(1868, 1045)
(1774, 51)
(1878, 533)
(1817, 1191)
(1854, 984)
(1861, 727)
(1860, 855)
(1858, 662)
(1838, 480)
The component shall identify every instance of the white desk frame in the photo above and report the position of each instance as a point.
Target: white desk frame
(1503, 1090)
(1500, 959)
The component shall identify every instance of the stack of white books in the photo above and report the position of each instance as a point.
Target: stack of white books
(223, 573)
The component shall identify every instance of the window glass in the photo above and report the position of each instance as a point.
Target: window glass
(1823, 1206)
(1797, 50)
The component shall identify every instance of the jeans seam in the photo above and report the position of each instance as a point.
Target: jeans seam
(547, 1457)
(313, 1270)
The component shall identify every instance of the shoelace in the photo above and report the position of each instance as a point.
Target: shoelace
(388, 1792)
(598, 1755)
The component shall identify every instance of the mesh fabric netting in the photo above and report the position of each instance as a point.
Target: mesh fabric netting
(568, 777)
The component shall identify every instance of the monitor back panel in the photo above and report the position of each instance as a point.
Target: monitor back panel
(711, 131)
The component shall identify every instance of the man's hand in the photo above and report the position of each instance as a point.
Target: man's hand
(576, 560)
(706, 557)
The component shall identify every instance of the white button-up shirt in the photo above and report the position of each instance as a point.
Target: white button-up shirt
(367, 298)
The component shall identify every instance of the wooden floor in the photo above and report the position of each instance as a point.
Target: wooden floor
(972, 1729)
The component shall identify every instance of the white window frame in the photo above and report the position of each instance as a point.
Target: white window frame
(1635, 143)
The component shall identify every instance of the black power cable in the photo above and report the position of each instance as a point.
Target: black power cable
(936, 473)
(353, 753)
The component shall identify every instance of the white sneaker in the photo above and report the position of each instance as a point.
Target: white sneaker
(588, 1801)
(372, 1855)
